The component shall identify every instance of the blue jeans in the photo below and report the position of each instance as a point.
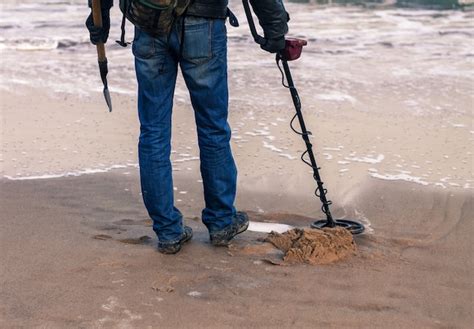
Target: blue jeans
(203, 61)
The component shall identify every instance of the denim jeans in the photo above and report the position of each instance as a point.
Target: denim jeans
(202, 58)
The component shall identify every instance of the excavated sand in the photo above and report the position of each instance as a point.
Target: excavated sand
(313, 246)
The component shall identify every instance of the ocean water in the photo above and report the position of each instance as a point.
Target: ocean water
(44, 43)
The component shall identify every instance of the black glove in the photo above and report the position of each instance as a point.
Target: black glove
(99, 34)
(274, 45)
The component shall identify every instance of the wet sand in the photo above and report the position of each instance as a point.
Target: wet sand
(65, 262)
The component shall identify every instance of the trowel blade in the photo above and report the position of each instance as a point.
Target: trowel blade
(108, 100)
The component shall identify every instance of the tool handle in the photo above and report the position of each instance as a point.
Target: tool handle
(258, 38)
(97, 18)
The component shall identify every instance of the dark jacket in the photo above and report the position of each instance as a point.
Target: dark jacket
(271, 14)
(208, 8)
(272, 17)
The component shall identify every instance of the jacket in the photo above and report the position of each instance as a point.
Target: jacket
(271, 14)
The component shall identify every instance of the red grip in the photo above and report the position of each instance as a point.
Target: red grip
(293, 48)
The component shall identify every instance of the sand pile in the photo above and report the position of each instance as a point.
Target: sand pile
(313, 246)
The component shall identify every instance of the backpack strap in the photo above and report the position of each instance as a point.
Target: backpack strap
(232, 18)
(122, 41)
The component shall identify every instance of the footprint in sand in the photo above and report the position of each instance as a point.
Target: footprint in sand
(143, 240)
(102, 237)
(127, 221)
(113, 229)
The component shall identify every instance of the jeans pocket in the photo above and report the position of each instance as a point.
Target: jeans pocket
(143, 44)
(197, 46)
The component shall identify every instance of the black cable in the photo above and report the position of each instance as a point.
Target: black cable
(278, 58)
(293, 128)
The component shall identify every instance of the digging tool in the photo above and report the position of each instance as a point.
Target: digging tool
(97, 17)
(292, 51)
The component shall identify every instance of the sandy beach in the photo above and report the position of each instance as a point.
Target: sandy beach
(388, 97)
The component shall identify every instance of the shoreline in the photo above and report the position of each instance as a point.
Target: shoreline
(85, 139)
(401, 177)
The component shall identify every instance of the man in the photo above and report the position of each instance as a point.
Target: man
(197, 42)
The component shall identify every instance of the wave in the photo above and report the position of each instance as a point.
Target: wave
(457, 32)
(71, 43)
(9, 26)
(39, 44)
(29, 44)
(76, 173)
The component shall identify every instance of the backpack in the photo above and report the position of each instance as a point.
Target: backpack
(156, 17)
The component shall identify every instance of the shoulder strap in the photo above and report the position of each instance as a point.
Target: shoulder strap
(122, 41)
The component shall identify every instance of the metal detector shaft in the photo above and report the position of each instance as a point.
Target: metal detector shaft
(309, 147)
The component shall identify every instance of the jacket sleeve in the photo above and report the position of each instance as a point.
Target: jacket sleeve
(272, 17)
(104, 4)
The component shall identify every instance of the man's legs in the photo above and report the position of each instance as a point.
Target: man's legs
(204, 68)
(156, 71)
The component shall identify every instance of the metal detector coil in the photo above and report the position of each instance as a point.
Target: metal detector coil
(292, 51)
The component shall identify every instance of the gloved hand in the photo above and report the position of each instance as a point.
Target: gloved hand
(274, 45)
(99, 34)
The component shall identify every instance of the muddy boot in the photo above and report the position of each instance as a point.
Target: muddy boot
(240, 223)
(173, 248)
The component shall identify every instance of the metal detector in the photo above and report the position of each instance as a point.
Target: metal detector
(292, 51)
